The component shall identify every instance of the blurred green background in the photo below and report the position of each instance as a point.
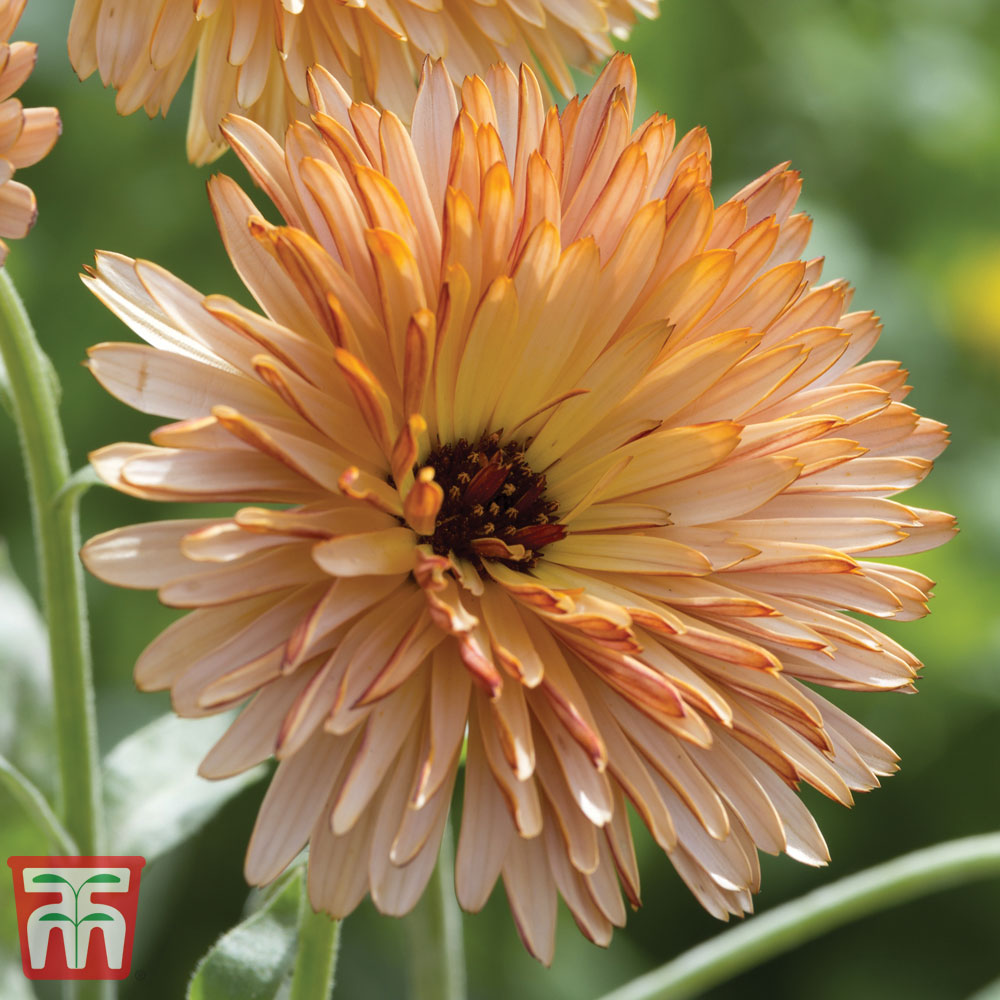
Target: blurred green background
(891, 110)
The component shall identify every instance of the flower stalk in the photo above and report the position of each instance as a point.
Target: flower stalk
(437, 953)
(316, 955)
(785, 927)
(33, 400)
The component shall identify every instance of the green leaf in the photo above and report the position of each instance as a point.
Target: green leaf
(48, 877)
(25, 686)
(51, 917)
(254, 959)
(96, 916)
(991, 991)
(75, 487)
(154, 797)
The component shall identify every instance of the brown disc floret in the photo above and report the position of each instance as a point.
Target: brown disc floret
(491, 493)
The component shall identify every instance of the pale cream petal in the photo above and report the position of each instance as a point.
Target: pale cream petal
(666, 456)
(171, 385)
(346, 598)
(172, 474)
(294, 800)
(723, 860)
(419, 825)
(338, 872)
(250, 739)
(254, 647)
(40, 130)
(115, 282)
(193, 636)
(366, 644)
(573, 888)
(145, 555)
(18, 210)
(450, 688)
(258, 573)
(434, 113)
(381, 553)
(387, 727)
(803, 841)
(852, 591)
(522, 796)
(398, 889)
(619, 838)
(636, 554)
(531, 892)
(509, 638)
(579, 834)
(485, 833)
(586, 782)
(737, 785)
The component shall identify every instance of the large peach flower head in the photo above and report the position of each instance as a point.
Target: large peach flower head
(252, 55)
(26, 134)
(575, 469)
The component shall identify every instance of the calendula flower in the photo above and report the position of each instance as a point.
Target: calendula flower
(26, 134)
(576, 470)
(252, 55)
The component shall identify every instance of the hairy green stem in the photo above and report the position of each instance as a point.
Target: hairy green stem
(316, 954)
(57, 541)
(32, 397)
(783, 928)
(437, 952)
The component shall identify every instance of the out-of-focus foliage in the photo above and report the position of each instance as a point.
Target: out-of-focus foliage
(25, 684)
(252, 961)
(891, 109)
(153, 795)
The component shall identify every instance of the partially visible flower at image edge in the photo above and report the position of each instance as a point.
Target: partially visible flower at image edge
(252, 56)
(26, 134)
(582, 471)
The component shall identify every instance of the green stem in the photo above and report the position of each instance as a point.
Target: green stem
(32, 393)
(316, 956)
(57, 538)
(36, 808)
(783, 928)
(437, 954)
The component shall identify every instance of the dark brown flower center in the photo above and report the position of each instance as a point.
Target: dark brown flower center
(490, 492)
